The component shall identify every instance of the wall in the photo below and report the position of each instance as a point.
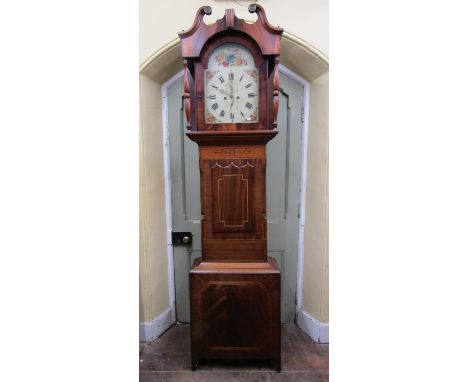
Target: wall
(315, 286)
(153, 259)
(161, 20)
(159, 23)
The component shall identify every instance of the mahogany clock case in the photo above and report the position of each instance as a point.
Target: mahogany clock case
(235, 292)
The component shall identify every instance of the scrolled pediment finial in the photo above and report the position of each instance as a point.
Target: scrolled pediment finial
(202, 11)
(252, 8)
(258, 9)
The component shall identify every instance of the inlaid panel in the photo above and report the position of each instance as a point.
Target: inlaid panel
(232, 190)
(233, 209)
(232, 152)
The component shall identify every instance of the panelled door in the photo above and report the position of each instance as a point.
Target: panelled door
(283, 190)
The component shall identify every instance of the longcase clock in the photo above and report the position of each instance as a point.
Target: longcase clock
(231, 89)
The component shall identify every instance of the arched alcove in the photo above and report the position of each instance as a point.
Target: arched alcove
(296, 54)
(156, 298)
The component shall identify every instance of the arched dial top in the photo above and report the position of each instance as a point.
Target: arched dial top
(231, 86)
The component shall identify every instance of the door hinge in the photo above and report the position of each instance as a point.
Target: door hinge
(302, 114)
(299, 211)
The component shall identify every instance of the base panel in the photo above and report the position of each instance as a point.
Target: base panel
(235, 311)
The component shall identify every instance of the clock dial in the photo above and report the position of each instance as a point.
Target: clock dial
(231, 86)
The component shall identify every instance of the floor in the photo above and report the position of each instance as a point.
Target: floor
(168, 359)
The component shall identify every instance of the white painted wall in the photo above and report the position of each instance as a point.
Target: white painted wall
(315, 287)
(153, 282)
(161, 20)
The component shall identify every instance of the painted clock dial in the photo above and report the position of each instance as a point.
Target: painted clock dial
(231, 86)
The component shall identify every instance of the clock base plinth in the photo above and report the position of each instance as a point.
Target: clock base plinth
(235, 311)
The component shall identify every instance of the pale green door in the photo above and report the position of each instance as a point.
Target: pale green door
(283, 189)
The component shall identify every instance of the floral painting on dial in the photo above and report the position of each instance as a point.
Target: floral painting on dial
(252, 73)
(211, 73)
(230, 57)
(210, 118)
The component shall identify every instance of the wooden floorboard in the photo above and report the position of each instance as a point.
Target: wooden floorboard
(168, 359)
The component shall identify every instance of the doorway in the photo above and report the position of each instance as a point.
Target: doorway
(284, 170)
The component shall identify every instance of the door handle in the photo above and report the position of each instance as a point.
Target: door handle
(181, 238)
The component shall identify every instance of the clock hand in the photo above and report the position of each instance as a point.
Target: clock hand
(231, 91)
(223, 92)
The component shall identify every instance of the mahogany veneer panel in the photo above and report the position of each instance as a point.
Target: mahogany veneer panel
(234, 250)
(235, 311)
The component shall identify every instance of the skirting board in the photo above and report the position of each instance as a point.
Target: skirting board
(149, 331)
(316, 329)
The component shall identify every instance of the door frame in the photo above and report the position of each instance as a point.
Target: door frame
(167, 186)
